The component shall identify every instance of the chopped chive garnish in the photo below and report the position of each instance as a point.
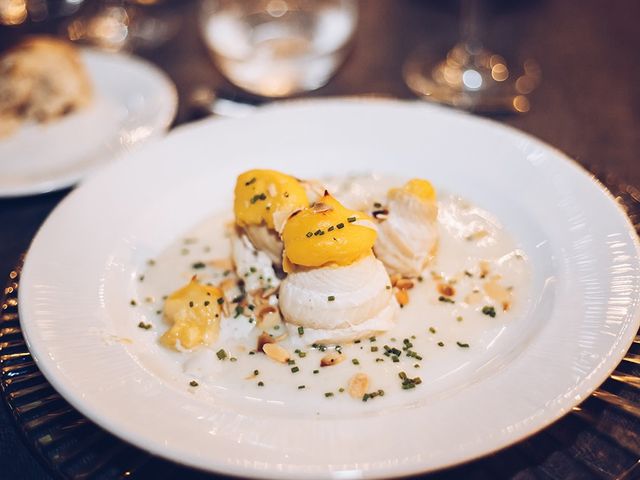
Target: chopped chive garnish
(351, 219)
(295, 370)
(331, 228)
(328, 394)
(193, 383)
(355, 361)
(221, 354)
(300, 331)
(198, 265)
(220, 301)
(252, 269)
(374, 349)
(441, 344)
(444, 299)
(316, 371)
(300, 387)
(261, 384)
(340, 225)
(331, 298)
(432, 330)
(144, 326)
(459, 318)
(395, 358)
(341, 389)
(462, 345)
(309, 234)
(253, 180)
(489, 310)
(206, 303)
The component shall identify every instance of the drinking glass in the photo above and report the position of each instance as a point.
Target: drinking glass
(471, 76)
(277, 48)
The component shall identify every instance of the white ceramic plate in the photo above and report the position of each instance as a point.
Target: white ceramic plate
(133, 102)
(82, 268)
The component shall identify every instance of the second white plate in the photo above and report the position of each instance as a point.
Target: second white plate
(133, 101)
(83, 266)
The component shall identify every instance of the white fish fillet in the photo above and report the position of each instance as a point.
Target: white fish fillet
(408, 237)
(338, 298)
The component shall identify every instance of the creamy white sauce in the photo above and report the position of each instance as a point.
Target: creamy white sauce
(437, 330)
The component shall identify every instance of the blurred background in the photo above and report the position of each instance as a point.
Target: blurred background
(585, 51)
(565, 71)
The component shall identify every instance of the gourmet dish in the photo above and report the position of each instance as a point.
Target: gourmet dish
(340, 287)
(41, 79)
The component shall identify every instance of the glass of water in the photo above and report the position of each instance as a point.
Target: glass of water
(277, 48)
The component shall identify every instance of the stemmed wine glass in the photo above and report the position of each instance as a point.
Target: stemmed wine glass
(470, 76)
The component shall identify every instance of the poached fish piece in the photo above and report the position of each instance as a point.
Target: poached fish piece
(407, 229)
(335, 289)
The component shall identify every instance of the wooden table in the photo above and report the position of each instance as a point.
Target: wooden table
(588, 105)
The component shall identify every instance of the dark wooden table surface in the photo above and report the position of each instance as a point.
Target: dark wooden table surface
(588, 104)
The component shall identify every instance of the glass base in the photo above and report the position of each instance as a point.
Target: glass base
(472, 79)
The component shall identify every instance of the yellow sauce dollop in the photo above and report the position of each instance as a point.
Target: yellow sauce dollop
(326, 234)
(417, 187)
(194, 314)
(261, 193)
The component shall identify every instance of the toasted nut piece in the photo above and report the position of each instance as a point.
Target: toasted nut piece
(473, 298)
(404, 284)
(332, 358)
(221, 263)
(484, 268)
(446, 290)
(395, 278)
(276, 352)
(264, 339)
(268, 317)
(497, 292)
(436, 276)
(358, 385)
(403, 297)
(269, 291)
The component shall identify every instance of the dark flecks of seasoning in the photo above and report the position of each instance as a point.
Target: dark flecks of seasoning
(489, 310)
(444, 299)
(144, 326)
(249, 182)
(193, 383)
(462, 345)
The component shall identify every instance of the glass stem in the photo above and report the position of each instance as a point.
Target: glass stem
(470, 25)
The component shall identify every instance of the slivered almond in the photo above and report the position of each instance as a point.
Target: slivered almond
(332, 358)
(269, 320)
(263, 340)
(497, 292)
(403, 297)
(404, 284)
(473, 298)
(269, 291)
(395, 278)
(221, 263)
(446, 290)
(276, 352)
(484, 268)
(358, 385)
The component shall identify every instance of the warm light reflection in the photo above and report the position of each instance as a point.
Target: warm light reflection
(499, 72)
(521, 104)
(13, 12)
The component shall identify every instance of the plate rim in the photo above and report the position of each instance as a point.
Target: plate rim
(159, 128)
(226, 469)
